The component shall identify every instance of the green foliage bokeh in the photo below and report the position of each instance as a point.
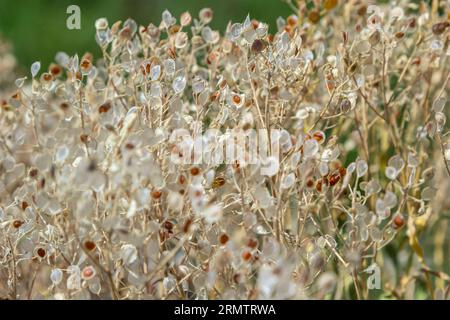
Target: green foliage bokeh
(37, 28)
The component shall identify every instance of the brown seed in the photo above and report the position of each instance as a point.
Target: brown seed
(41, 252)
(416, 61)
(156, 194)
(168, 225)
(89, 245)
(314, 16)
(197, 193)
(88, 272)
(399, 221)
(195, 171)
(319, 136)
(42, 183)
(55, 70)
(309, 182)
(223, 238)
(181, 179)
(47, 77)
(17, 224)
(334, 178)
(399, 35)
(174, 29)
(24, 205)
(64, 106)
(319, 185)
(187, 225)
(104, 107)
(342, 171)
(85, 64)
(129, 146)
(440, 27)
(148, 68)
(236, 99)
(33, 172)
(84, 138)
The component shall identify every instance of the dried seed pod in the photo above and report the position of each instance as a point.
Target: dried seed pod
(258, 46)
(440, 27)
(246, 255)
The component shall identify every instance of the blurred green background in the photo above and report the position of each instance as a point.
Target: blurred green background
(37, 28)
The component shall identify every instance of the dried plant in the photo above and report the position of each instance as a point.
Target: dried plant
(7, 65)
(99, 200)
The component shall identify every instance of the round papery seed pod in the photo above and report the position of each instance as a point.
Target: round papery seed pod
(399, 221)
(185, 19)
(88, 273)
(206, 15)
(440, 27)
